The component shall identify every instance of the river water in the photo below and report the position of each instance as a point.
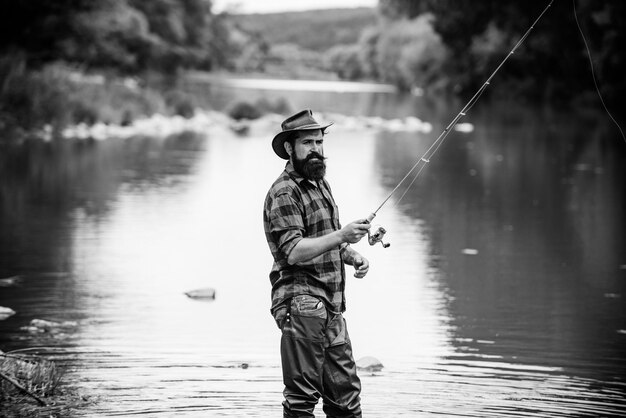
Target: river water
(502, 294)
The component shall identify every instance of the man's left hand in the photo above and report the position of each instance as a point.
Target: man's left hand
(361, 266)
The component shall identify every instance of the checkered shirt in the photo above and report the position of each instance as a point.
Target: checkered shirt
(296, 209)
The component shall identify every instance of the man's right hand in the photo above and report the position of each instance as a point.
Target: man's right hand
(354, 231)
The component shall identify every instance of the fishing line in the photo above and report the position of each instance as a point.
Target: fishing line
(483, 87)
(430, 152)
(593, 74)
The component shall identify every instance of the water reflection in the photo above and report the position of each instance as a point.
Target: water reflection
(530, 322)
(50, 189)
(541, 211)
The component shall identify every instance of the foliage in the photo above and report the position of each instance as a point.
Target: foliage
(410, 54)
(401, 9)
(312, 30)
(34, 373)
(243, 110)
(345, 61)
(457, 48)
(279, 105)
(253, 57)
(368, 51)
(30, 99)
(38, 27)
(551, 64)
(181, 103)
(301, 44)
(291, 61)
(128, 35)
(42, 377)
(57, 95)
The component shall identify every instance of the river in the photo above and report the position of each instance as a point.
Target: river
(502, 293)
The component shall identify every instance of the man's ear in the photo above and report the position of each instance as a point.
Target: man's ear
(288, 147)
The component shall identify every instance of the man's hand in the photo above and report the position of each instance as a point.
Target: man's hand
(354, 231)
(361, 266)
(308, 248)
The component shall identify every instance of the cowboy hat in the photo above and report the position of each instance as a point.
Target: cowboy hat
(301, 121)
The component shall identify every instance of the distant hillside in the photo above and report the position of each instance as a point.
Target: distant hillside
(316, 30)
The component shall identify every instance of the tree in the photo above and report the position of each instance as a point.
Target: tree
(402, 9)
(40, 26)
(552, 62)
(129, 35)
(368, 51)
(344, 61)
(410, 53)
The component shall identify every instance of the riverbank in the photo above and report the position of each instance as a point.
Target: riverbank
(60, 101)
(32, 385)
(58, 95)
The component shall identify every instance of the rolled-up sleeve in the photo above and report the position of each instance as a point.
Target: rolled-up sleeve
(286, 222)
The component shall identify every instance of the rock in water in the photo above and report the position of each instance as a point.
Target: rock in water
(469, 251)
(206, 293)
(369, 364)
(9, 281)
(6, 312)
(49, 325)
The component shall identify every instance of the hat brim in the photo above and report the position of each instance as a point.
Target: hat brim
(279, 140)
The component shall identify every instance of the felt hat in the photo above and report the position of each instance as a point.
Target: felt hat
(301, 121)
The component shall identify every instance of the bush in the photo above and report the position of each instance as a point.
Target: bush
(32, 99)
(345, 61)
(58, 95)
(34, 373)
(180, 103)
(280, 105)
(411, 54)
(243, 110)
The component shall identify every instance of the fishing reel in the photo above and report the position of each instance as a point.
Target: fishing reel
(377, 236)
(376, 233)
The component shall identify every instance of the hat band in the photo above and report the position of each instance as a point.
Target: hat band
(303, 127)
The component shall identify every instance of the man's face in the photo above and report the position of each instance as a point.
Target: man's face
(307, 154)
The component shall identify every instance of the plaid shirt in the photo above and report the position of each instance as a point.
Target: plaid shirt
(296, 209)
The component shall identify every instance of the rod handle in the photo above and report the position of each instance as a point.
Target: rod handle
(370, 217)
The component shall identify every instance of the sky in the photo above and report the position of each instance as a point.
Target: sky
(272, 6)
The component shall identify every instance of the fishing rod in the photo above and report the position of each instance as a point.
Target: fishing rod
(379, 232)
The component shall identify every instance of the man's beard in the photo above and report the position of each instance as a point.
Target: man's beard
(312, 167)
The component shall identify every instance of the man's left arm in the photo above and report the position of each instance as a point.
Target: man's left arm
(353, 258)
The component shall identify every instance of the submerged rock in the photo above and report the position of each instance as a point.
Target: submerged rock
(206, 293)
(41, 325)
(469, 251)
(5, 313)
(9, 281)
(369, 364)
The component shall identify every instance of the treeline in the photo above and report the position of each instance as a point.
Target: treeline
(81, 61)
(454, 45)
(418, 45)
(127, 35)
(296, 44)
(315, 30)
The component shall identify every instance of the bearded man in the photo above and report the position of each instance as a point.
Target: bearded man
(310, 248)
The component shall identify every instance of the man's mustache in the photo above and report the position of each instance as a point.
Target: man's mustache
(314, 154)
